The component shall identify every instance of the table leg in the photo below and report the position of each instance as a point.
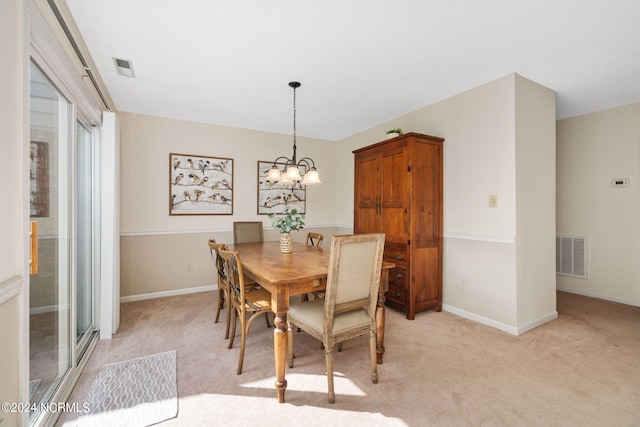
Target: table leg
(280, 353)
(380, 314)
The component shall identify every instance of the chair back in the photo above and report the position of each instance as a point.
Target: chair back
(353, 280)
(247, 231)
(314, 239)
(233, 268)
(217, 261)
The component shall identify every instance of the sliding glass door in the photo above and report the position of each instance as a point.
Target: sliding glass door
(63, 286)
(50, 286)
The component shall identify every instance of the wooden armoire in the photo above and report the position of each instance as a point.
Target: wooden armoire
(398, 191)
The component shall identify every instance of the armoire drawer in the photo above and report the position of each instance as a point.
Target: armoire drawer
(397, 254)
(396, 294)
(398, 277)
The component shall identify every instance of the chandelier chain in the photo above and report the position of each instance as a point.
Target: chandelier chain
(294, 124)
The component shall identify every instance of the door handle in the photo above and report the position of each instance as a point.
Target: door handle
(33, 253)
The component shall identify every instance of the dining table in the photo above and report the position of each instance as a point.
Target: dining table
(284, 275)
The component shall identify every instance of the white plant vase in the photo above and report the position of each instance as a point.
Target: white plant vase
(392, 135)
(285, 243)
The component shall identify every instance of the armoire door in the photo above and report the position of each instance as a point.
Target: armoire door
(393, 191)
(367, 194)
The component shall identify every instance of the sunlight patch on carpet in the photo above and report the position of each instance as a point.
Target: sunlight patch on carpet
(313, 383)
(136, 392)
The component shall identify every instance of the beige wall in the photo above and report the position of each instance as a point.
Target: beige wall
(485, 131)
(592, 150)
(156, 247)
(535, 203)
(156, 264)
(12, 214)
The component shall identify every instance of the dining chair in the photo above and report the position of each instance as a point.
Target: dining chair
(254, 302)
(314, 239)
(247, 231)
(223, 283)
(348, 309)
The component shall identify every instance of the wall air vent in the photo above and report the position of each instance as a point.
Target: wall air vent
(571, 256)
(124, 67)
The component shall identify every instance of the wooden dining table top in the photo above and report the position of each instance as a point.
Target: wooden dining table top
(267, 265)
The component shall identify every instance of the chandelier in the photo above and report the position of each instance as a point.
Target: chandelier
(291, 171)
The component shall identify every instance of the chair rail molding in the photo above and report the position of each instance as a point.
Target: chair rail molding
(492, 238)
(10, 288)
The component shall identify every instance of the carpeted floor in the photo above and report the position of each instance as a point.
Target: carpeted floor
(582, 369)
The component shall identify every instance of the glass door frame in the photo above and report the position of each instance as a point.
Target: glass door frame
(82, 345)
(45, 51)
(71, 352)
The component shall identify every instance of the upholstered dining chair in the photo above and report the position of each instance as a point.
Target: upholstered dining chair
(314, 239)
(348, 309)
(254, 302)
(223, 283)
(247, 231)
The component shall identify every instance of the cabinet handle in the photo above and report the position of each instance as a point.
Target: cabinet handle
(397, 295)
(378, 205)
(399, 276)
(398, 257)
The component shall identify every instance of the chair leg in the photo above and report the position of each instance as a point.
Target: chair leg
(233, 332)
(290, 344)
(374, 357)
(328, 355)
(229, 308)
(338, 346)
(266, 317)
(220, 304)
(243, 341)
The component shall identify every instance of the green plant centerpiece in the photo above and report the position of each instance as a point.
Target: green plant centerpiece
(285, 223)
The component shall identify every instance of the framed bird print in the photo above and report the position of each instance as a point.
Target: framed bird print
(200, 185)
(274, 197)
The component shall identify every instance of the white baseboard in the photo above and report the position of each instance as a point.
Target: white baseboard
(172, 293)
(541, 321)
(499, 325)
(600, 296)
(207, 288)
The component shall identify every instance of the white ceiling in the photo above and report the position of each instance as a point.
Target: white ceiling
(360, 62)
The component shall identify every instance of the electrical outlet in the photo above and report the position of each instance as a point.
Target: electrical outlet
(493, 200)
(462, 285)
(189, 268)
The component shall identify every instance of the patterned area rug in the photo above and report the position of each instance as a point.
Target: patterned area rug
(137, 392)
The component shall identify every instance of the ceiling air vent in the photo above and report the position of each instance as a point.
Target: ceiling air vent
(571, 256)
(124, 67)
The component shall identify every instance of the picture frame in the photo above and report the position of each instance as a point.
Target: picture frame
(200, 185)
(39, 178)
(274, 197)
